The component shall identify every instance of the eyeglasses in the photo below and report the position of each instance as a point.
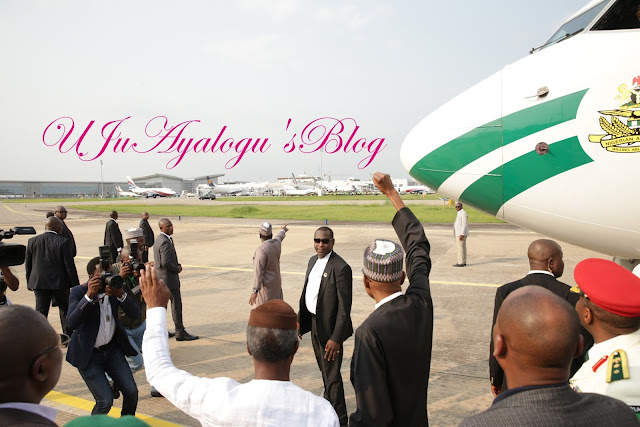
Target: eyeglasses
(64, 341)
(325, 241)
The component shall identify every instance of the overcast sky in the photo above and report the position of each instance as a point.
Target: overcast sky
(249, 65)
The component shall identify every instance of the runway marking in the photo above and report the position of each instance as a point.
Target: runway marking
(298, 273)
(87, 405)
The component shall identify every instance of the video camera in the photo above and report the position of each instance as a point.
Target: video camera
(13, 254)
(107, 277)
(133, 255)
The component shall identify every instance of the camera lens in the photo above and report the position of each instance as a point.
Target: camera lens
(114, 282)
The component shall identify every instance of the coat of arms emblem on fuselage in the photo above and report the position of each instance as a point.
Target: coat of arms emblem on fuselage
(622, 137)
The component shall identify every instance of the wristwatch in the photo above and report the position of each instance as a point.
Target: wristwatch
(255, 291)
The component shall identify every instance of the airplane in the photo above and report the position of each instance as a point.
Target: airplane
(149, 192)
(300, 190)
(415, 189)
(227, 189)
(551, 142)
(126, 193)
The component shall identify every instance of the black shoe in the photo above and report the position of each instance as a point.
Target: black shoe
(459, 265)
(172, 334)
(155, 393)
(185, 336)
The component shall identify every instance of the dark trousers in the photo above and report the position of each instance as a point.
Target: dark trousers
(110, 360)
(176, 310)
(331, 376)
(43, 303)
(145, 256)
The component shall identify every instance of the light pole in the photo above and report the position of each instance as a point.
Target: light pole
(101, 182)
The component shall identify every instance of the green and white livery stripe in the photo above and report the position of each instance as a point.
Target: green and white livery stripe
(493, 187)
(454, 155)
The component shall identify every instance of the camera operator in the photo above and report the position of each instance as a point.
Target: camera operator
(30, 369)
(7, 280)
(50, 269)
(99, 343)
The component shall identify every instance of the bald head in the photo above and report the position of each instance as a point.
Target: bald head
(27, 371)
(546, 255)
(53, 224)
(537, 331)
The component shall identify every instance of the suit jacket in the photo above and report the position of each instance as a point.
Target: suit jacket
(10, 417)
(84, 319)
(113, 238)
(555, 405)
(333, 312)
(392, 353)
(496, 374)
(69, 235)
(149, 238)
(266, 269)
(49, 264)
(166, 259)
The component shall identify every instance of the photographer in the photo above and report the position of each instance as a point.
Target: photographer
(7, 280)
(99, 343)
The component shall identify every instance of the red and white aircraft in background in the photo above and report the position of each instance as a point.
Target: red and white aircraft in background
(149, 192)
(122, 193)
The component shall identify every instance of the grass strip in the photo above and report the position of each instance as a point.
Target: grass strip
(355, 213)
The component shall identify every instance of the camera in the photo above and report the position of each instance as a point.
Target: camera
(107, 277)
(133, 255)
(13, 254)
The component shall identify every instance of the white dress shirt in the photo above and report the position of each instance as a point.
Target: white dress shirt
(223, 401)
(313, 284)
(107, 322)
(43, 411)
(389, 298)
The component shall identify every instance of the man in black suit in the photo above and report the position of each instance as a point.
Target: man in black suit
(546, 265)
(50, 269)
(149, 238)
(536, 335)
(99, 343)
(392, 354)
(30, 368)
(325, 311)
(113, 236)
(168, 268)
(61, 214)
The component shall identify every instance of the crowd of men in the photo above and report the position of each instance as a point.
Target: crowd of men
(558, 356)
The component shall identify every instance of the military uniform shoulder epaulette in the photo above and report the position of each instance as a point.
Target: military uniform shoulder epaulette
(618, 366)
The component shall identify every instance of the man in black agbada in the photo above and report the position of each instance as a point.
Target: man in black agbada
(392, 354)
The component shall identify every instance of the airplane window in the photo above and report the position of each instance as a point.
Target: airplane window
(575, 26)
(624, 15)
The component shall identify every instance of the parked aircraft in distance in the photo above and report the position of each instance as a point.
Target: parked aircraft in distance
(149, 192)
(126, 193)
(415, 189)
(552, 141)
(232, 189)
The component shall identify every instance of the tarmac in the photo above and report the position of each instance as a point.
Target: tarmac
(216, 255)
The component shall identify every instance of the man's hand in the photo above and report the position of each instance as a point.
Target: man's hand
(113, 292)
(383, 183)
(496, 389)
(331, 350)
(125, 270)
(252, 298)
(284, 227)
(179, 268)
(154, 291)
(94, 287)
(461, 238)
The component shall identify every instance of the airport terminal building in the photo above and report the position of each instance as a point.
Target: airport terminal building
(93, 189)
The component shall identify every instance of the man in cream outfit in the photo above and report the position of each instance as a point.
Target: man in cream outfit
(461, 231)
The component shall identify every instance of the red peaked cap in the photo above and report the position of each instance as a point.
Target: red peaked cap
(609, 285)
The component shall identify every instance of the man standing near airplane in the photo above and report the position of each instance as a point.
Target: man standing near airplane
(267, 283)
(461, 231)
(325, 311)
(61, 213)
(113, 236)
(149, 238)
